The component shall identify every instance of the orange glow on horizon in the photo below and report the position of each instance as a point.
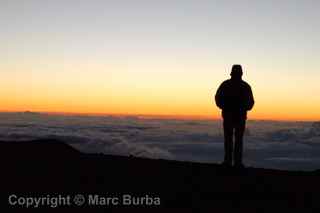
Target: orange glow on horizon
(215, 114)
(182, 94)
(202, 107)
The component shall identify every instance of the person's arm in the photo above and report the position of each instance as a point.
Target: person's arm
(218, 97)
(250, 99)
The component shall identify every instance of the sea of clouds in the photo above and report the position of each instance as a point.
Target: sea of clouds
(268, 144)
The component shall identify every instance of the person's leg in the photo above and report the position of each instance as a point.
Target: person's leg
(238, 146)
(228, 141)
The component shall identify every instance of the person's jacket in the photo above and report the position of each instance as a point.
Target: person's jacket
(235, 98)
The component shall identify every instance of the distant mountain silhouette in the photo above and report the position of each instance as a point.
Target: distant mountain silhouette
(31, 113)
(51, 166)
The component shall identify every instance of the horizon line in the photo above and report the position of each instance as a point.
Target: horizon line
(159, 116)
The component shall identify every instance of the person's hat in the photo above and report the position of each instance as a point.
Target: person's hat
(236, 70)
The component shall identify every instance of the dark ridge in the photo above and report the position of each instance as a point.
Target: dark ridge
(47, 148)
(51, 166)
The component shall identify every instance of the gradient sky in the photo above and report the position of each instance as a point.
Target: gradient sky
(158, 57)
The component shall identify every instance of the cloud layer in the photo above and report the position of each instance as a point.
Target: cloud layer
(271, 144)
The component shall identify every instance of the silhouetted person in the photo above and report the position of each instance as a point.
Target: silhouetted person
(234, 97)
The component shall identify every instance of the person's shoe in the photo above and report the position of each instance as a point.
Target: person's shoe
(226, 164)
(239, 166)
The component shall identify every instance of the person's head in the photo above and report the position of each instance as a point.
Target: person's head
(236, 71)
